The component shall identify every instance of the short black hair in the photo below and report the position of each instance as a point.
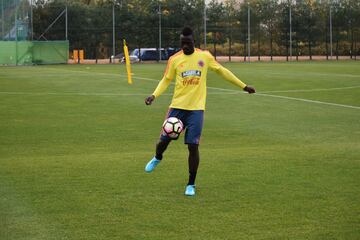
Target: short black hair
(187, 31)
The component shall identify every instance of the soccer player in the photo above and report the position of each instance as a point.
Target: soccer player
(189, 67)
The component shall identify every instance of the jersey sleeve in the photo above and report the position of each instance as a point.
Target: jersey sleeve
(224, 72)
(165, 81)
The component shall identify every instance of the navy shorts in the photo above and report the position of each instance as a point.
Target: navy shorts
(193, 124)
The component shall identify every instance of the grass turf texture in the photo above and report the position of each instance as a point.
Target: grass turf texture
(75, 139)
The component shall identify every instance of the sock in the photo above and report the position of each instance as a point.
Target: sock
(192, 176)
(160, 149)
(193, 160)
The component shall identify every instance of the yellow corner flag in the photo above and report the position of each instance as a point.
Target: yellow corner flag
(127, 61)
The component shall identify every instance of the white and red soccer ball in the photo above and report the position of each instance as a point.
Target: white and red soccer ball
(172, 127)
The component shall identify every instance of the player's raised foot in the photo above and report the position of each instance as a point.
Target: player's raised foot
(190, 190)
(150, 166)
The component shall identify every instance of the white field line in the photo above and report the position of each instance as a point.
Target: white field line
(220, 89)
(309, 101)
(267, 72)
(96, 94)
(215, 88)
(74, 94)
(301, 99)
(316, 74)
(232, 91)
(311, 90)
(136, 77)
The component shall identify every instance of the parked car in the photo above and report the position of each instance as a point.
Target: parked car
(172, 51)
(122, 58)
(150, 54)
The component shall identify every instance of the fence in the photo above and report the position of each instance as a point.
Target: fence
(33, 52)
(15, 20)
(16, 37)
(290, 28)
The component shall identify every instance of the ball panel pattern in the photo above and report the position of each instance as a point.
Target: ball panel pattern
(173, 127)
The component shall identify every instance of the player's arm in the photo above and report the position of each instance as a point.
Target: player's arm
(163, 84)
(228, 75)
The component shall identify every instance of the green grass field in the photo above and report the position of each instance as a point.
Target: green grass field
(280, 164)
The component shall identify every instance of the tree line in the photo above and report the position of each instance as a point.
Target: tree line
(228, 22)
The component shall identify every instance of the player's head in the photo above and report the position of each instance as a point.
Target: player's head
(187, 40)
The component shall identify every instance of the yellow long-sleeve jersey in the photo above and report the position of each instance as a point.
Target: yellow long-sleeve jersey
(190, 72)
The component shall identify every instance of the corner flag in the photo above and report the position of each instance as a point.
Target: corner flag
(127, 61)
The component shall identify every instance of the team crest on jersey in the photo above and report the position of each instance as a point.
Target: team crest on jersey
(201, 63)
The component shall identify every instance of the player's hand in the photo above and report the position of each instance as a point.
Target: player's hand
(149, 100)
(249, 89)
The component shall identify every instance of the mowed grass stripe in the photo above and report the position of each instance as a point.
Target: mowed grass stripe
(268, 95)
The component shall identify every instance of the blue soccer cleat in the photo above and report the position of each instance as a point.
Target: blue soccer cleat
(151, 165)
(190, 190)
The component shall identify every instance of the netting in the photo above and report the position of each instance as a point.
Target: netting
(16, 45)
(15, 20)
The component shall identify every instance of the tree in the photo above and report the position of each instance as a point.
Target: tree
(90, 24)
(282, 26)
(269, 14)
(309, 33)
(215, 14)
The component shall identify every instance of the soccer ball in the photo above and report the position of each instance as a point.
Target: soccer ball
(172, 127)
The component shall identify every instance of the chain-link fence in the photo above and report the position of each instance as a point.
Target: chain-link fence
(16, 44)
(15, 20)
(236, 29)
